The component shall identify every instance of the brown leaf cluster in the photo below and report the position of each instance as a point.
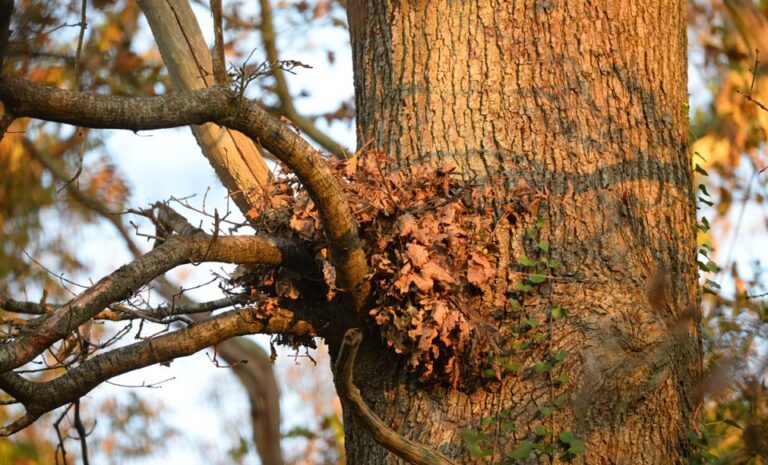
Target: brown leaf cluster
(428, 236)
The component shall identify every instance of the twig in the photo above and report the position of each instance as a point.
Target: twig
(60, 445)
(82, 434)
(286, 107)
(83, 26)
(404, 448)
(752, 86)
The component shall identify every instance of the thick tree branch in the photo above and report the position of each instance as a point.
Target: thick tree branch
(227, 109)
(39, 398)
(383, 434)
(125, 281)
(258, 378)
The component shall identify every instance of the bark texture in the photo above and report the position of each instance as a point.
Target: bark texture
(583, 104)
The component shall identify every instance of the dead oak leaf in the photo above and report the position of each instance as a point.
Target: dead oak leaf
(417, 254)
(479, 269)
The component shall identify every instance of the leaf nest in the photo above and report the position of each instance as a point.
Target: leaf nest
(429, 235)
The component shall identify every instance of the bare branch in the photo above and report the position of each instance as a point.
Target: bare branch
(219, 67)
(39, 398)
(258, 378)
(221, 106)
(121, 284)
(404, 448)
(287, 107)
(83, 26)
(122, 313)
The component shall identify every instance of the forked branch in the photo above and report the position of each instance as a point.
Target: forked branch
(40, 398)
(223, 107)
(404, 448)
(41, 333)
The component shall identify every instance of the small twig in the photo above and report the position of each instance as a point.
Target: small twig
(752, 85)
(82, 434)
(143, 385)
(60, 445)
(81, 157)
(83, 26)
(406, 449)
(756, 296)
(59, 276)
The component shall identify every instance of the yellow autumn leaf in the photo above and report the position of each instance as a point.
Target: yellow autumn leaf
(712, 148)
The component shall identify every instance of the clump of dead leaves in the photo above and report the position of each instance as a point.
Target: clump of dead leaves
(428, 234)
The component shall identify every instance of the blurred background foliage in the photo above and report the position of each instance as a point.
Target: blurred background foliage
(49, 172)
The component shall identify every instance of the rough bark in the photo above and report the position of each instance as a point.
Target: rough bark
(583, 104)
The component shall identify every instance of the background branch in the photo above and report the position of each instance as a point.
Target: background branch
(287, 107)
(124, 282)
(39, 398)
(237, 160)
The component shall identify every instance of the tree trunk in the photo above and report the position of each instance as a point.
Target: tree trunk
(584, 106)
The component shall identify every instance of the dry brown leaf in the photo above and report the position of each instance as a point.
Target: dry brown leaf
(417, 254)
(479, 269)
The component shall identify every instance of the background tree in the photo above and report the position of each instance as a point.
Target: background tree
(515, 310)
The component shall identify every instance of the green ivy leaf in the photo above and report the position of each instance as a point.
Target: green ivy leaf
(537, 278)
(541, 431)
(566, 437)
(562, 355)
(577, 447)
(485, 421)
(732, 423)
(475, 450)
(525, 288)
(525, 260)
(522, 451)
(532, 322)
(472, 435)
(557, 312)
(543, 245)
(512, 366)
(542, 367)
